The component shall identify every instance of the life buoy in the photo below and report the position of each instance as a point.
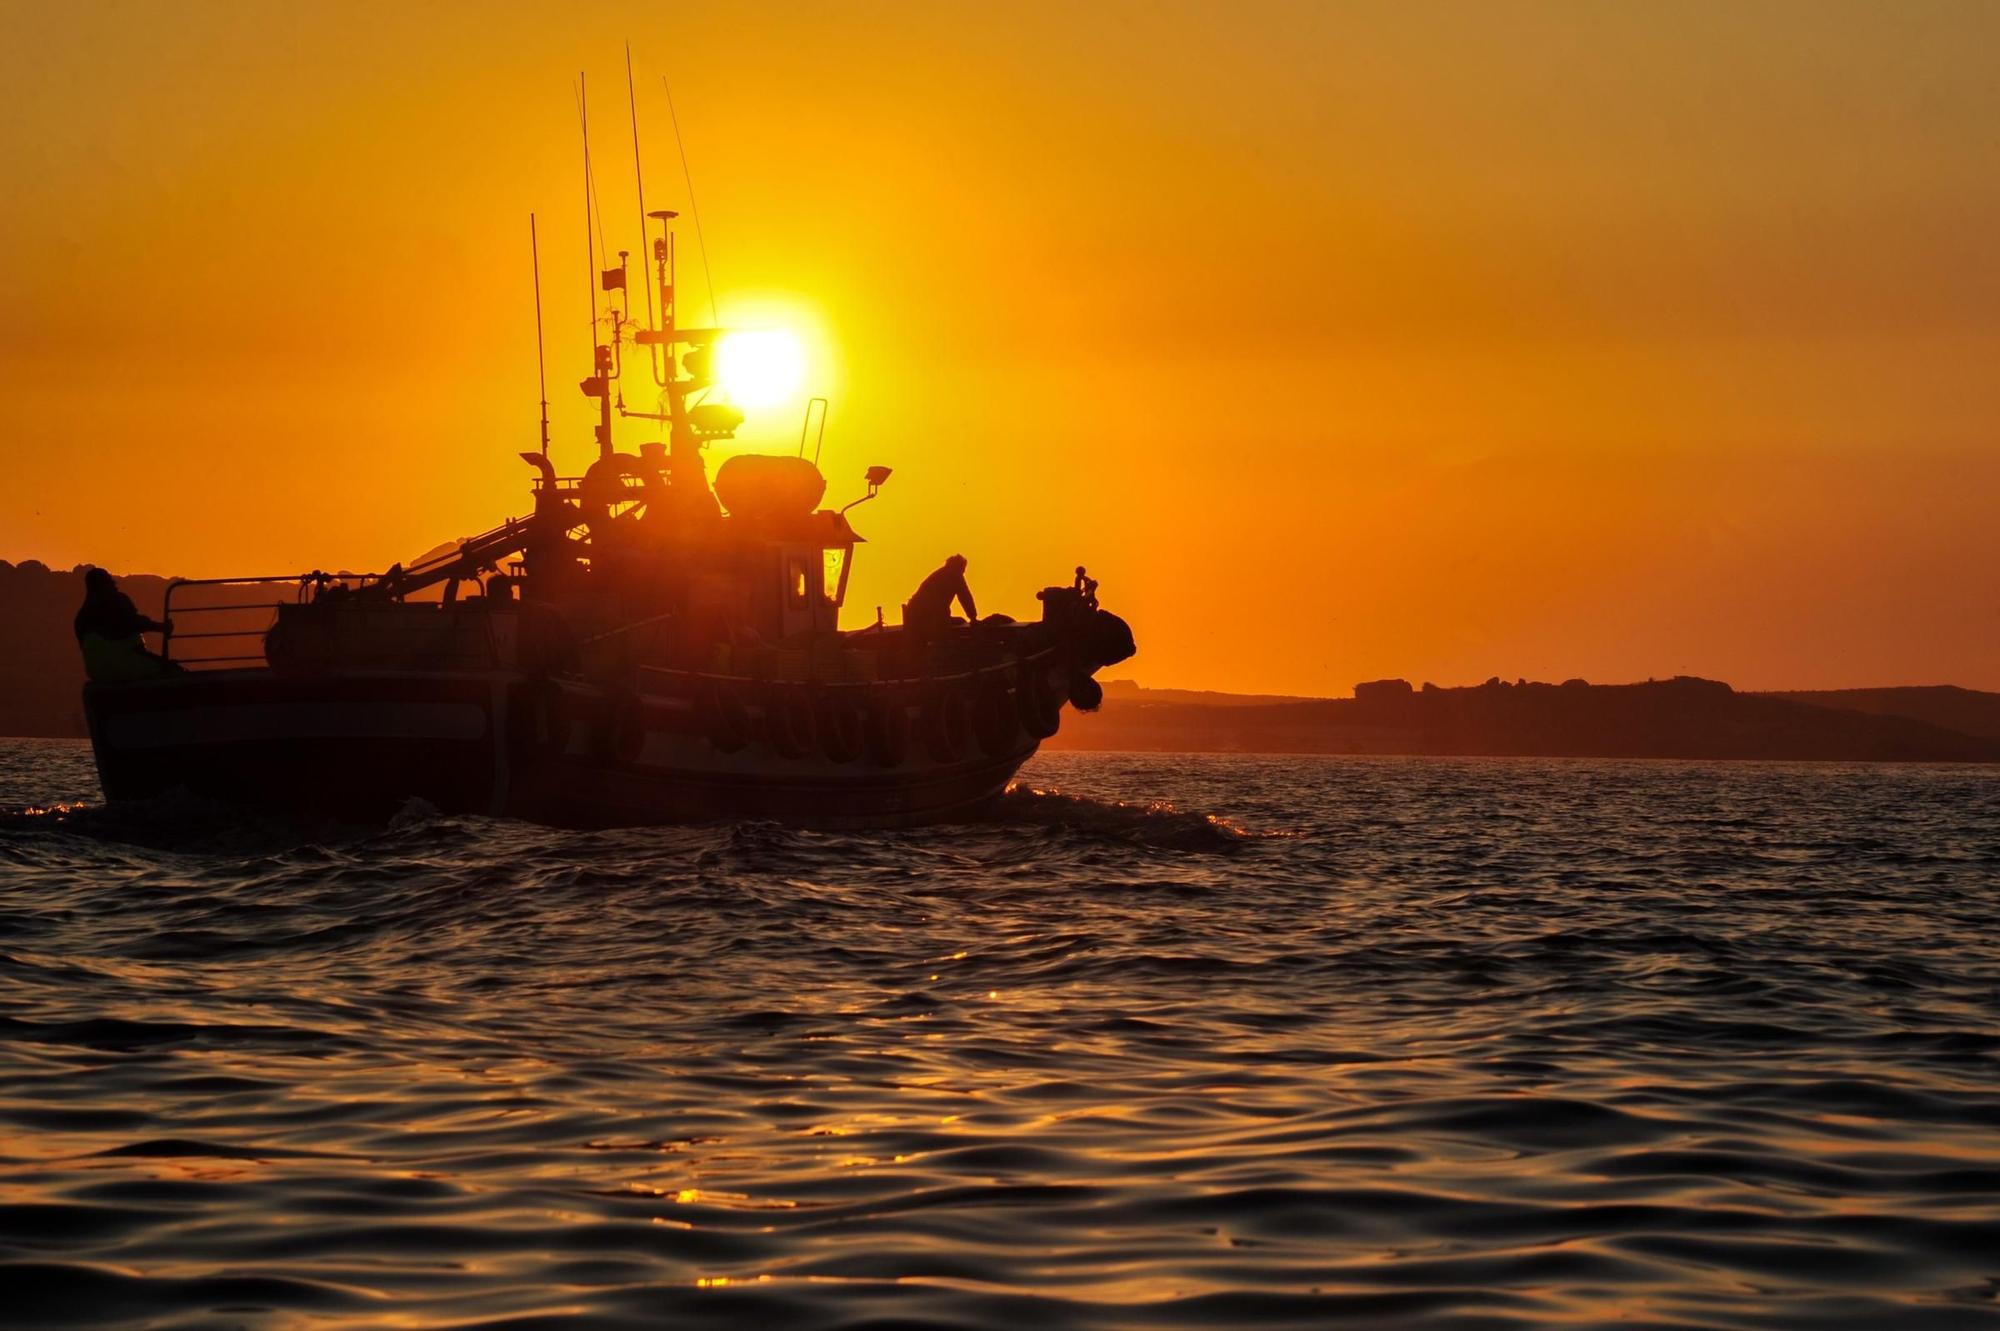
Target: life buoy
(840, 727)
(724, 718)
(946, 724)
(788, 721)
(888, 730)
(1036, 702)
(993, 717)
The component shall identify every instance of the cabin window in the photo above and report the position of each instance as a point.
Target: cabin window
(797, 582)
(833, 575)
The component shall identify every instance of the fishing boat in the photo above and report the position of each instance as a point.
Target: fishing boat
(645, 646)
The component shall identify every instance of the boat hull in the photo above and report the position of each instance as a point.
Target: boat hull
(362, 744)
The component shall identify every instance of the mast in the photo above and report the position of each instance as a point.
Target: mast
(638, 173)
(598, 385)
(682, 360)
(541, 355)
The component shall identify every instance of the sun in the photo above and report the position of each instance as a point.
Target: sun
(762, 368)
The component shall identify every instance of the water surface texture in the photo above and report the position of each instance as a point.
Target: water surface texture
(1425, 1043)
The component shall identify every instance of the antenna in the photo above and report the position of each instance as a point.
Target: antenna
(693, 207)
(639, 176)
(589, 245)
(541, 356)
(598, 385)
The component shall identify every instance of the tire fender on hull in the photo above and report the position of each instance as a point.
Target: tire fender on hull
(993, 721)
(840, 725)
(1036, 701)
(725, 718)
(888, 730)
(620, 730)
(1085, 693)
(946, 724)
(789, 722)
(544, 722)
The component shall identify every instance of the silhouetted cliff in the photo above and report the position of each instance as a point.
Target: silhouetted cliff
(1967, 711)
(1676, 718)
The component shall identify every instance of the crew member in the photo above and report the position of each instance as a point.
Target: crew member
(930, 609)
(107, 630)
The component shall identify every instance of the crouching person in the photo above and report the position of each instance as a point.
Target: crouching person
(928, 613)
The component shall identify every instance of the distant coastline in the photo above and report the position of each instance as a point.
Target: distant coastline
(41, 678)
(1682, 717)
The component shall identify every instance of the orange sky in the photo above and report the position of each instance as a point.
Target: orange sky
(1340, 341)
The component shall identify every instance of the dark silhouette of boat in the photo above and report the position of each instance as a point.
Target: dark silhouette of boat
(643, 647)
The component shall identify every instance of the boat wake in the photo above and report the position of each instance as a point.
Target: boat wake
(1156, 823)
(192, 824)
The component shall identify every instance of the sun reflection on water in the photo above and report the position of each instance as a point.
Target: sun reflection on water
(1402, 1062)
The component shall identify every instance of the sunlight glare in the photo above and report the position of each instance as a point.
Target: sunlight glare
(760, 369)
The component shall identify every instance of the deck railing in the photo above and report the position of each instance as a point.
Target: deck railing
(231, 630)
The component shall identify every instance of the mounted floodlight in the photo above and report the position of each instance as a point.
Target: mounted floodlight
(875, 477)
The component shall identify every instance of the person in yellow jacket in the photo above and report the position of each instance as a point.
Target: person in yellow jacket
(107, 630)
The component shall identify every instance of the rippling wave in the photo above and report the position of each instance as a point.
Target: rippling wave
(1169, 1041)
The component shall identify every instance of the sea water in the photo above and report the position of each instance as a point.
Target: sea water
(1171, 1041)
